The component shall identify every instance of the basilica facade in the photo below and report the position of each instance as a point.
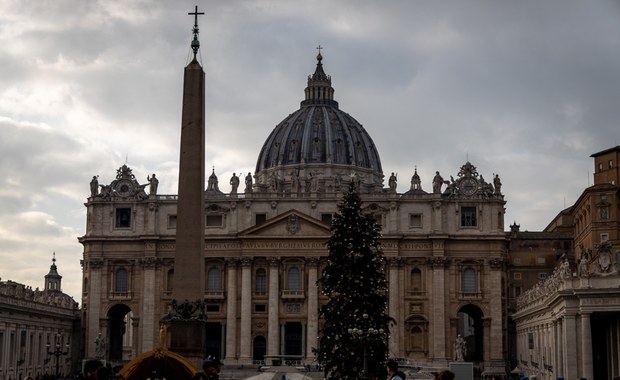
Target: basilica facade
(265, 247)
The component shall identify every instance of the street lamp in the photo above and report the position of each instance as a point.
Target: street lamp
(365, 336)
(57, 352)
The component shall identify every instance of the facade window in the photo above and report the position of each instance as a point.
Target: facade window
(604, 213)
(604, 237)
(600, 167)
(260, 218)
(214, 280)
(610, 164)
(172, 221)
(516, 276)
(469, 281)
(260, 286)
(516, 261)
(468, 217)
(416, 280)
(542, 276)
(293, 279)
(170, 280)
(415, 221)
(260, 308)
(540, 260)
(214, 220)
(213, 308)
(517, 291)
(123, 217)
(121, 284)
(326, 218)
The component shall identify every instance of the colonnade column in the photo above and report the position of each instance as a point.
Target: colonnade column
(570, 347)
(313, 309)
(231, 312)
(559, 343)
(586, 347)
(94, 270)
(148, 327)
(394, 306)
(245, 341)
(273, 317)
(438, 313)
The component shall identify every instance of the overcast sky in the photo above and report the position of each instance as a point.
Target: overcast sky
(525, 89)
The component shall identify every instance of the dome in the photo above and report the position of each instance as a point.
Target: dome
(319, 140)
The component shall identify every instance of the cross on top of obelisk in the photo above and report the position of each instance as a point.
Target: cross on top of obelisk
(195, 42)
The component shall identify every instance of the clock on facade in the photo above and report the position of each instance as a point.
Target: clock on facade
(468, 186)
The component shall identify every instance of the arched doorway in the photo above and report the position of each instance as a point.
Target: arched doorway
(470, 327)
(119, 332)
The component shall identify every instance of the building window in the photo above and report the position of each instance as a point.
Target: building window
(123, 217)
(604, 213)
(214, 280)
(213, 308)
(542, 276)
(468, 217)
(517, 291)
(170, 280)
(172, 221)
(516, 261)
(260, 218)
(604, 237)
(540, 260)
(293, 279)
(261, 281)
(416, 280)
(516, 275)
(214, 220)
(610, 164)
(260, 308)
(600, 167)
(121, 284)
(469, 281)
(415, 221)
(326, 218)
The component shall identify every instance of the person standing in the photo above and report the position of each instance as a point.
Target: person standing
(212, 368)
(392, 369)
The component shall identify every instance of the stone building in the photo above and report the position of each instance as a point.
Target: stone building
(265, 246)
(568, 325)
(34, 323)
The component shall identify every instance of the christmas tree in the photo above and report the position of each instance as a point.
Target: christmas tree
(353, 343)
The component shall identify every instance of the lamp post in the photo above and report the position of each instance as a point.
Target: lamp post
(365, 336)
(57, 352)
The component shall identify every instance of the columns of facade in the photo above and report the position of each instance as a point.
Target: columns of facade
(273, 317)
(95, 271)
(570, 347)
(231, 312)
(245, 340)
(312, 330)
(394, 306)
(586, 347)
(438, 312)
(494, 289)
(559, 343)
(147, 318)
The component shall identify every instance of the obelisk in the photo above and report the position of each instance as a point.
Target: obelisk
(187, 317)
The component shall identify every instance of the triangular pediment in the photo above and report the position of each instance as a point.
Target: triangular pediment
(291, 223)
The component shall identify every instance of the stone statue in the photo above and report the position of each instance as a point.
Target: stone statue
(248, 183)
(437, 182)
(337, 182)
(100, 347)
(498, 185)
(154, 182)
(460, 349)
(583, 267)
(392, 183)
(294, 181)
(94, 186)
(234, 183)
